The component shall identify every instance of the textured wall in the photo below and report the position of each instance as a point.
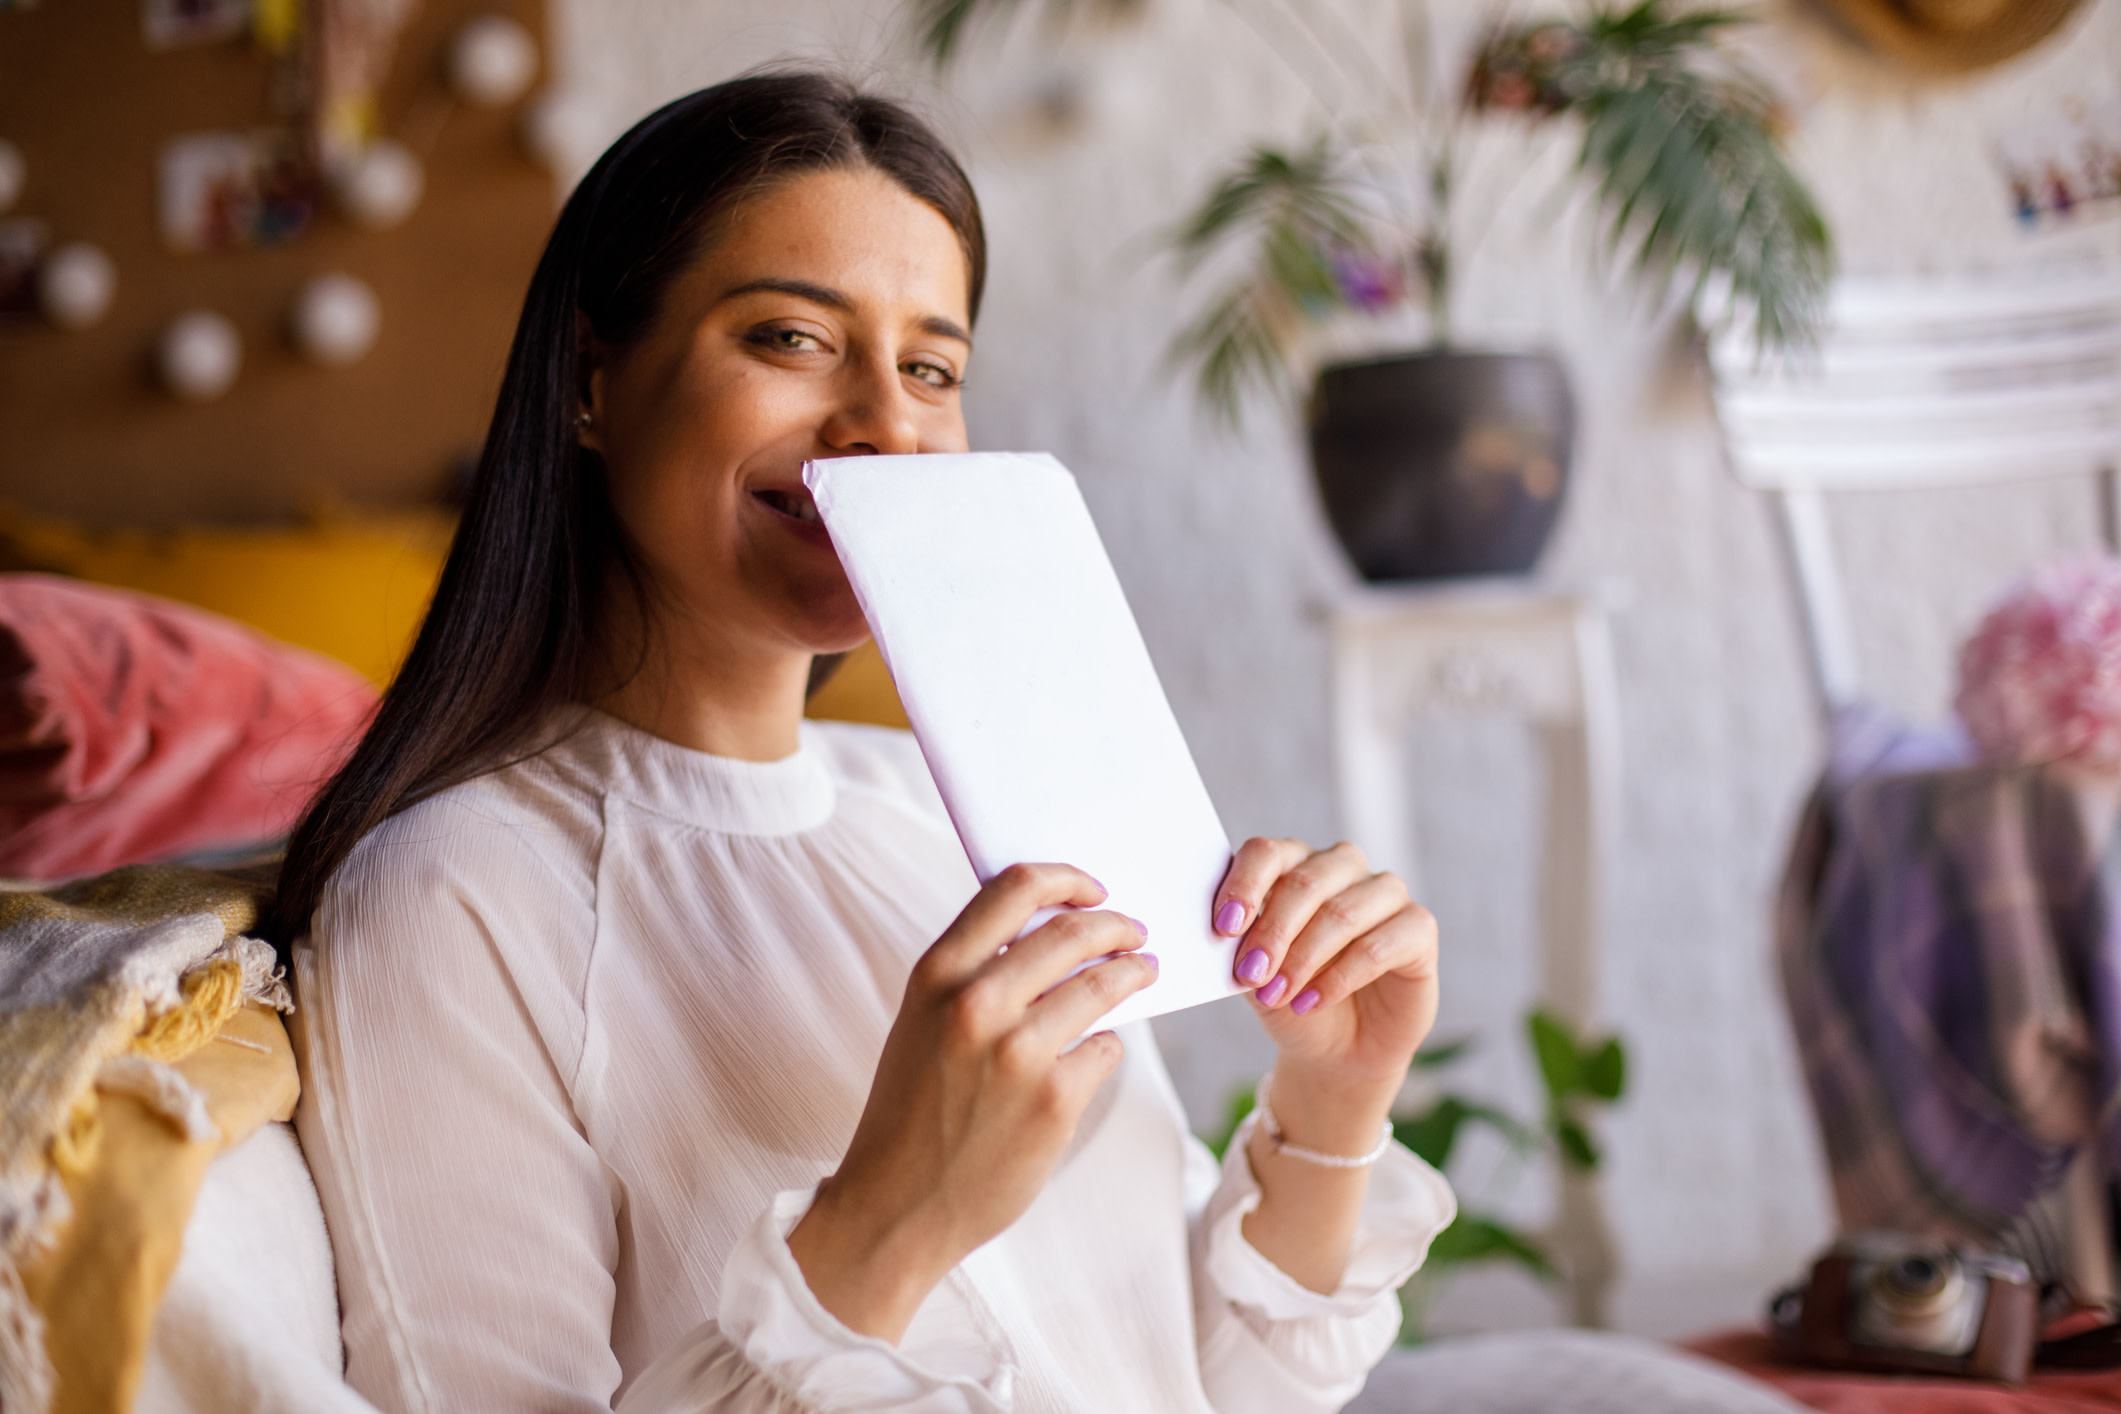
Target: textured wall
(1079, 149)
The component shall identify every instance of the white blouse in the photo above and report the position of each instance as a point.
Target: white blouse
(580, 1038)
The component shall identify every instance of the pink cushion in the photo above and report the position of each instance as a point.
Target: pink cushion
(134, 728)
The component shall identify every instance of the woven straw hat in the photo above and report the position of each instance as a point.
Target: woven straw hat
(1950, 34)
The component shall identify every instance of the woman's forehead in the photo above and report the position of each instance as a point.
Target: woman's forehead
(853, 230)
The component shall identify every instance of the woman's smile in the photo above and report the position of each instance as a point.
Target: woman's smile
(790, 504)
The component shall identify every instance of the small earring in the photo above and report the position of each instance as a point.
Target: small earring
(583, 421)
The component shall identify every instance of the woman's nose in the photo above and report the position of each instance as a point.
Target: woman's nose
(875, 416)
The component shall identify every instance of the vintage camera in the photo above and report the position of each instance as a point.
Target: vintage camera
(1888, 1302)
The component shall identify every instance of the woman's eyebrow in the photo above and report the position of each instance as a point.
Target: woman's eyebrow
(832, 299)
(945, 329)
(801, 289)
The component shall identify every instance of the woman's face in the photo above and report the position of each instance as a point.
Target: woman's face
(828, 319)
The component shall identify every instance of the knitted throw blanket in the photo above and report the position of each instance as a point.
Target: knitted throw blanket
(1950, 940)
(103, 983)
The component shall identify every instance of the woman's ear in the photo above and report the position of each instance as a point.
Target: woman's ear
(590, 360)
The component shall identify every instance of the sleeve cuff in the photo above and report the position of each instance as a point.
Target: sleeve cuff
(767, 1311)
(1406, 1205)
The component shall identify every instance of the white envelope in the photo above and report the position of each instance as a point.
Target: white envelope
(1031, 692)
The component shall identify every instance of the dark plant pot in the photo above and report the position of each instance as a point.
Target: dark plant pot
(1437, 465)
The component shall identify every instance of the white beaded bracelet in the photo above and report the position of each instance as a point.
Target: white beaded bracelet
(1312, 1156)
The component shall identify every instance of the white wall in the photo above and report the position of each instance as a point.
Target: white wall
(1717, 1186)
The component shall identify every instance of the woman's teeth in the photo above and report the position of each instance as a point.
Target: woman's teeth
(797, 505)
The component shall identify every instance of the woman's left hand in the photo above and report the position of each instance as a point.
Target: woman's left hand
(1342, 964)
(1342, 967)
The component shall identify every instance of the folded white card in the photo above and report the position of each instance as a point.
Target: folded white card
(1031, 692)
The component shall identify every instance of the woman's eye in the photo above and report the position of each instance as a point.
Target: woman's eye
(783, 339)
(935, 375)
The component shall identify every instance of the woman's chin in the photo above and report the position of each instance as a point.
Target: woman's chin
(831, 623)
(843, 640)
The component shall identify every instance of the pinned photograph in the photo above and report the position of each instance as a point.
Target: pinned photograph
(173, 24)
(222, 191)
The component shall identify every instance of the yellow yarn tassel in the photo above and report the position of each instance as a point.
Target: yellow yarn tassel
(212, 994)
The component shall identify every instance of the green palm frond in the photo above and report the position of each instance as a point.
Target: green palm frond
(1293, 210)
(1691, 188)
(1681, 148)
(943, 27)
(1651, 30)
(1303, 192)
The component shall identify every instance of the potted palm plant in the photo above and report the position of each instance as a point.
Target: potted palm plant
(1439, 460)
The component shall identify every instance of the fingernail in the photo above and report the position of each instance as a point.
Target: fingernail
(1305, 1000)
(1230, 917)
(1139, 926)
(1271, 993)
(1252, 967)
(1150, 958)
(1101, 886)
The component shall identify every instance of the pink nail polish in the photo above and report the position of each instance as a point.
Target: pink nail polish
(1252, 967)
(1139, 926)
(1230, 918)
(1150, 958)
(1305, 1000)
(1271, 993)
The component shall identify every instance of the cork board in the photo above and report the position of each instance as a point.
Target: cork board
(84, 428)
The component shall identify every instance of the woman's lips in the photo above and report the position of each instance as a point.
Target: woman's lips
(795, 509)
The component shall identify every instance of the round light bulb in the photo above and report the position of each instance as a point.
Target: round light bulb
(75, 285)
(492, 61)
(560, 129)
(335, 319)
(379, 185)
(14, 173)
(199, 355)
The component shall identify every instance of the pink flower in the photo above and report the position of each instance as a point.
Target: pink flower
(2040, 680)
(1367, 282)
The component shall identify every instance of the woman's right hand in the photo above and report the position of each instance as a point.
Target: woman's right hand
(976, 1096)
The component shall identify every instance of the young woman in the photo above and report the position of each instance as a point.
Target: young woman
(652, 1049)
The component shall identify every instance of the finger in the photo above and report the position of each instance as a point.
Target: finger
(1084, 1067)
(1338, 922)
(1289, 906)
(998, 912)
(1253, 870)
(1056, 1019)
(1043, 958)
(1406, 944)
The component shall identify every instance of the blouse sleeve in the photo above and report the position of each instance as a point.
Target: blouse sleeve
(1269, 1345)
(474, 1228)
(774, 1348)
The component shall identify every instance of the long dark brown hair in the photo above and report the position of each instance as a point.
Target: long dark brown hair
(510, 634)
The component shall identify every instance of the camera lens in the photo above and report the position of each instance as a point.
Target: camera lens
(1914, 1277)
(1916, 1298)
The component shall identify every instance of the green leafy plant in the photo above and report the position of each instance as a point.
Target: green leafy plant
(1577, 1076)
(1680, 144)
